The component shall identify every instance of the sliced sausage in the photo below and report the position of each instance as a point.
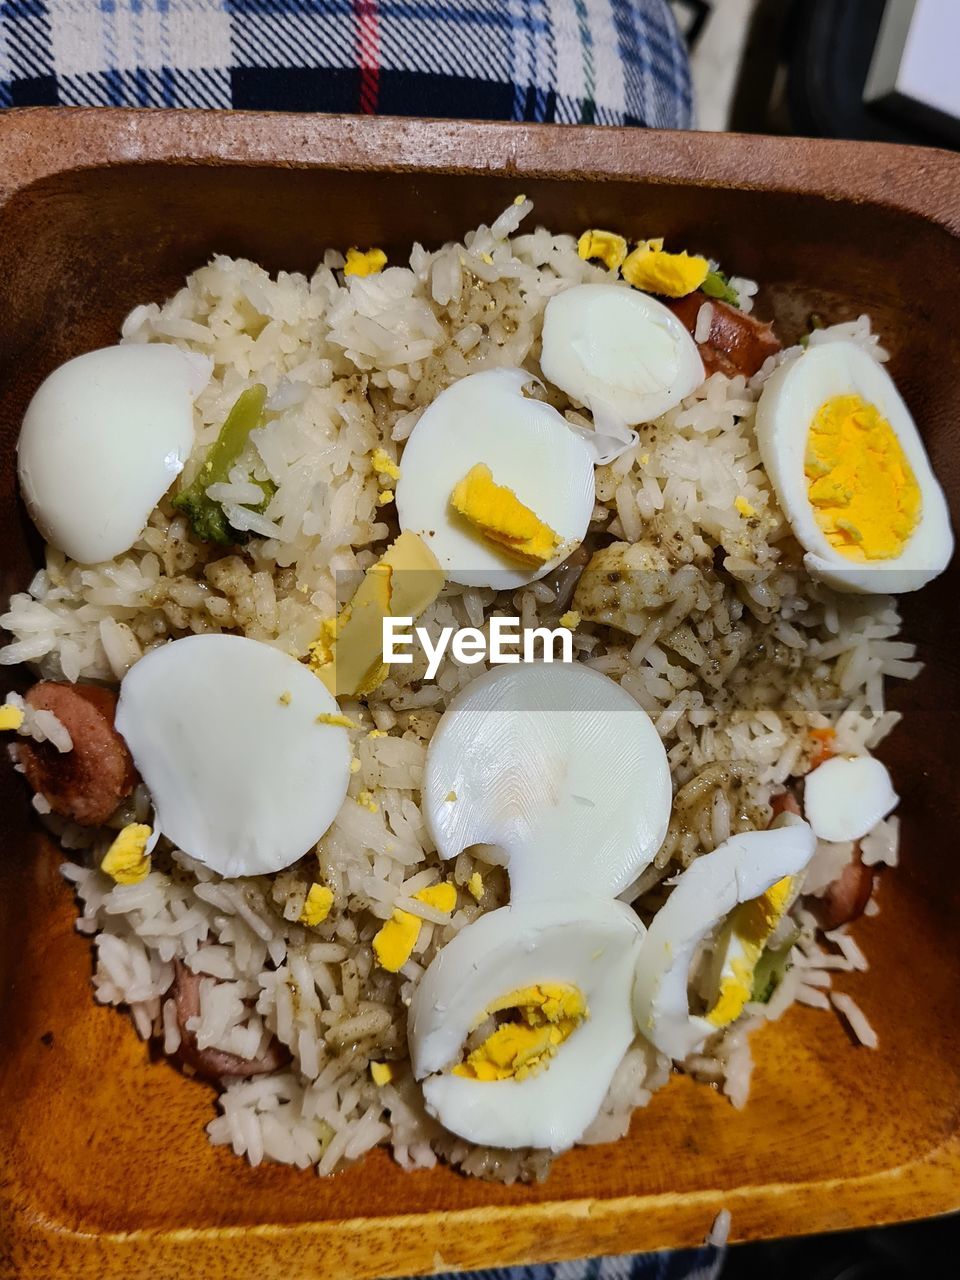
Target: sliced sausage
(846, 899)
(213, 1064)
(88, 782)
(737, 343)
(785, 803)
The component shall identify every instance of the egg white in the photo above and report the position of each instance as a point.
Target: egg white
(560, 767)
(590, 944)
(241, 781)
(846, 797)
(619, 352)
(103, 439)
(788, 405)
(528, 446)
(740, 869)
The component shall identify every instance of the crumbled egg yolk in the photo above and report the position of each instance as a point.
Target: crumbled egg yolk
(364, 263)
(10, 717)
(385, 498)
(441, 896)
(127, 861)
(864, 494)
(394, 942)
(610, 248)
(384, 465)
(338, 721)
(347, 654)
(752, 926)
(475, 885)
(321, 651)
(377, 733)
(366, 801)
(673, 275)
(316, 906)
(570, 620)
(500, 517)
(744, 507)
(548, 1013)
(381, 1073)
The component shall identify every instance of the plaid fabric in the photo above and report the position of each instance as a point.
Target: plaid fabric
(687, 1264)
(573, 61)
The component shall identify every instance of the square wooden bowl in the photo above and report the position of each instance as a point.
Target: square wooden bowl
(104, 1167)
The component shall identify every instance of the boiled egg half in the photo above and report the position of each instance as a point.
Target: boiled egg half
(103, 439)
(559, 766)
(744, 869)
(544, 989)
(851, 473)
(846, 797)
(495, 482)
(241, 747)
(619, 352)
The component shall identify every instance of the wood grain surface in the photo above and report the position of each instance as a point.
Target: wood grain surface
(104, 1168)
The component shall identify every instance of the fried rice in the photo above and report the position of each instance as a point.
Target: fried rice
(742, 655)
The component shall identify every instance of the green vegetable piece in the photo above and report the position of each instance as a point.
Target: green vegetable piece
(207, 517)
(771, 970)
(717, 286)
(816, 322)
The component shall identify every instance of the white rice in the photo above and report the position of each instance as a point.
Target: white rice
(856, 1019)
(348, 367)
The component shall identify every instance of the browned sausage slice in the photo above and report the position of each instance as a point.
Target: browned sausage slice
(737, 343)
(846, 899)
(87, 783)
(787, 802)
(213, 1064)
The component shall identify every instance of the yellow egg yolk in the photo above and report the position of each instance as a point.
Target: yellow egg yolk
(316, 906)
(673, 275)
(864, 494)
(546, 1014)
(337, 721)
(11, 717)
(381, 1073)
(610, 248)
(127, 861)
(500, 517)
(394, 942)
(366, 263)
(751, 927)
(441, 896)
(384, 465)
(347, 654)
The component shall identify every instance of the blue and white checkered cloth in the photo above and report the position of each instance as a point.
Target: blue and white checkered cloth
(572, 61)
(687, 1264)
